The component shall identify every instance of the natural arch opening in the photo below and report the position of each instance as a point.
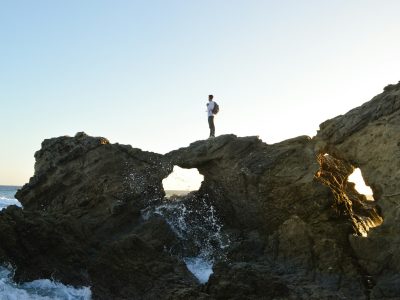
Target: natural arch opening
(182, 181)
(360, 186)
(194, 220)
(347, 200)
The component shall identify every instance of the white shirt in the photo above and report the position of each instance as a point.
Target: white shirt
(210, 107)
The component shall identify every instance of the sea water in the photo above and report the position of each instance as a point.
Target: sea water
(199, 230)
(43, 289)
(7, 198)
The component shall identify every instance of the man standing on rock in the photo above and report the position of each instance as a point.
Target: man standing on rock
(210, 108)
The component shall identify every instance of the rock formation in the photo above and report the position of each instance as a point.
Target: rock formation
(297, 228)
(368, 137)
(81, 221)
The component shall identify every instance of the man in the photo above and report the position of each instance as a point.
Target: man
(210, 107)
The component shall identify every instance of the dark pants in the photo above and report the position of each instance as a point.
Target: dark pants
(211, 125)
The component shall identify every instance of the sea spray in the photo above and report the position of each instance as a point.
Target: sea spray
(4, 202)
(201, 268)
(7, 196)
(195, 222)
(42, 289)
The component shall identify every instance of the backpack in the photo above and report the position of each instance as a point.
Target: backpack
(216, 108)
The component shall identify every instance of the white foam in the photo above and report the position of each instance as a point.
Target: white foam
(200, 267)
(200, 231)
(4, 202)
(42, 289)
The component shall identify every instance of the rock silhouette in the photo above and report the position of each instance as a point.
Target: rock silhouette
(298, 229)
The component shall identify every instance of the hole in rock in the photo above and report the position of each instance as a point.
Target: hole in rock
(350, 201)
(357, 178)
(182, 181)
(194, 220)
(202, 240)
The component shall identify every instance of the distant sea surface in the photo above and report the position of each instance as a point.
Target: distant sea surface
(170, 193)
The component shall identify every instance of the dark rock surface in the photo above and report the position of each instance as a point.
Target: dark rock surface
(81, 222)
(297, 228)
(368, 138)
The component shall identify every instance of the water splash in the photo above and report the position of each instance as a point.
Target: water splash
(4, 202)
(42, 289)
(195, 222)
(7, 196)
(200, 267)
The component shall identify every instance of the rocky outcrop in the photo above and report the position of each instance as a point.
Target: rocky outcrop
(368, 138)
(81, 222)
(294, 202)
(297, 228)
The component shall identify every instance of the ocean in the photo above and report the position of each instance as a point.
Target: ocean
(43, 289)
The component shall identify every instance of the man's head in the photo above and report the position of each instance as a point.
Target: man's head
(210, 97)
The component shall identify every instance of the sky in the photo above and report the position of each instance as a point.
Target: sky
(139, 72)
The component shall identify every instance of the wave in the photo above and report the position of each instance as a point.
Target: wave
(42, 289)
(4, 202)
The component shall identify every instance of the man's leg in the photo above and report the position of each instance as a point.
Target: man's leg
(211, 125)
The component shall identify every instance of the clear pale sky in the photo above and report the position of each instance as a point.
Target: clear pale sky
(139, 72)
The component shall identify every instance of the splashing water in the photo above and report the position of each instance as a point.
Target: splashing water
(7, 196)
(200, 268)
(4, 202)
(42, 289)
(197, 226)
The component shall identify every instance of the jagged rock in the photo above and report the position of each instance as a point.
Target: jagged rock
(245, 281)
(86, 174)
(297, 228)
(251, 178)
(368, 138)
(81, 223)
(129, 268)
(278, 191)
